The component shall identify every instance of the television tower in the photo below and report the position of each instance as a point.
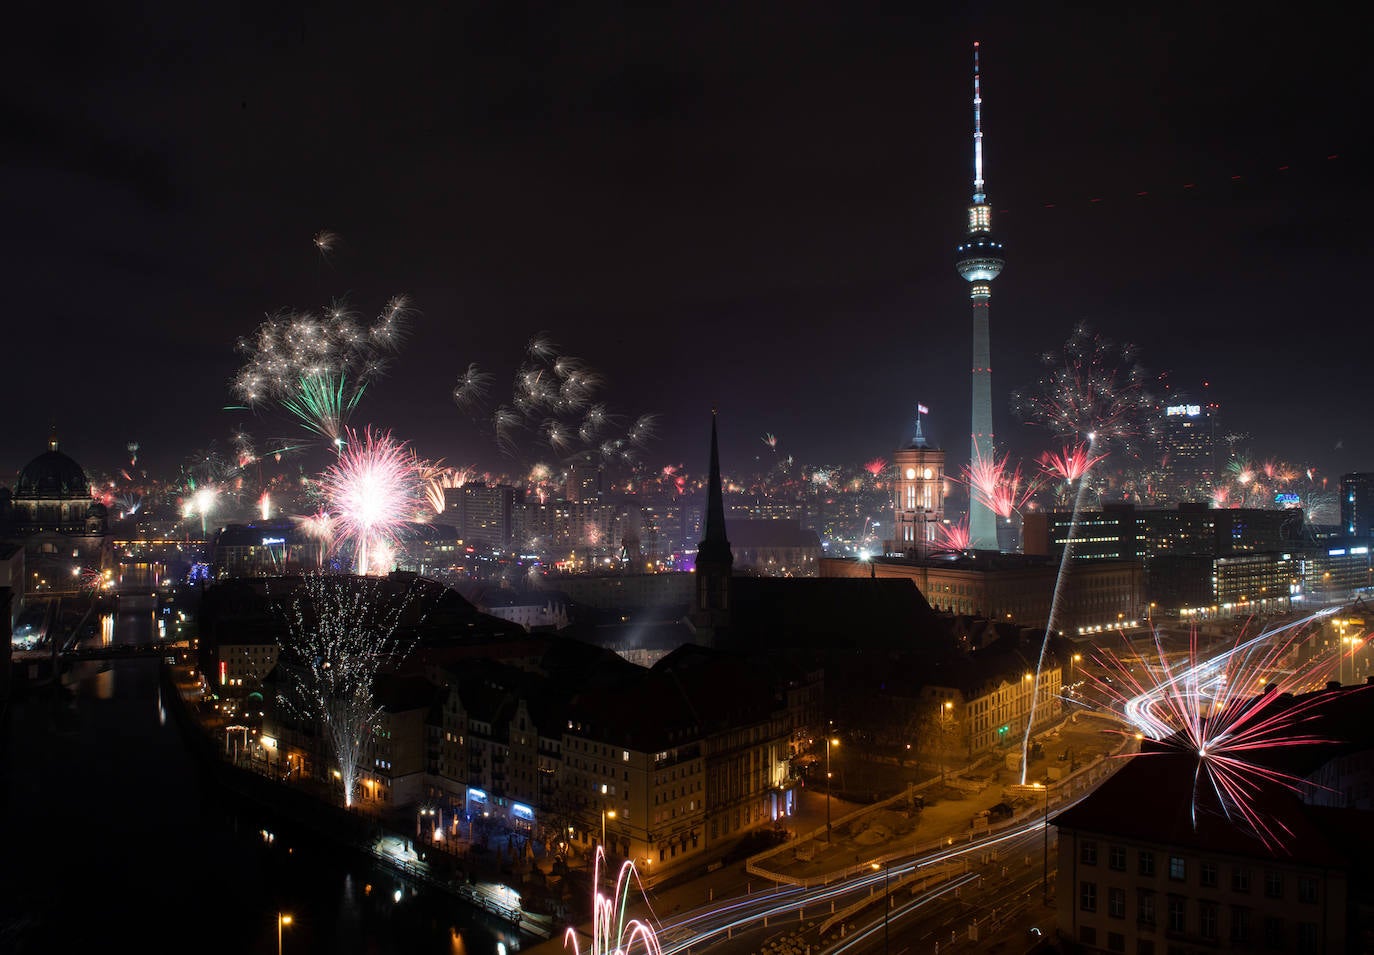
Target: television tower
(979, 261)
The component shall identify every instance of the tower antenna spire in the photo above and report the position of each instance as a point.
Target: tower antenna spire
(979, 261)
(977, 130)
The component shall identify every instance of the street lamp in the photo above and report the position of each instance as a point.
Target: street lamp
(944, 714)
(1073, 660)
(1045, 875)
(605, 813)
(282, 919)
(887, 903)
(828, 743)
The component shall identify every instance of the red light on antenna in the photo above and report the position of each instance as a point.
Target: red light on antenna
(975, 44)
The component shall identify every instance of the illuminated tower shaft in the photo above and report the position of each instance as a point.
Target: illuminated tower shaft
(979, 261)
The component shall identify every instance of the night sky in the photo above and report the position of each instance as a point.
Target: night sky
(752, 206)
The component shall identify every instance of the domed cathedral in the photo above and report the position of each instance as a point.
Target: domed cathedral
(65, 533)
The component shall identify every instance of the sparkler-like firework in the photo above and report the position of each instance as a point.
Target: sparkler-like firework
(553, 397)
(1231, 711)
(341, 636)
(372, 491)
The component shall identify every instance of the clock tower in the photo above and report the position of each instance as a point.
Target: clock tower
(918, 496)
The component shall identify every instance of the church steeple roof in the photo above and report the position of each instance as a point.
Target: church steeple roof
(714, 545)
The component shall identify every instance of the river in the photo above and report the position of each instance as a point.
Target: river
(114, 839)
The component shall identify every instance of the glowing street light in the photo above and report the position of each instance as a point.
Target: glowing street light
(605, 814)
(1045, 876)
(829, 742)
(944, 717)
(887, 903)
(282, 919)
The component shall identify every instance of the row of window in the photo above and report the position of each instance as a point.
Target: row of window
(1305, 939)
(1176, 915)
(1207, 871)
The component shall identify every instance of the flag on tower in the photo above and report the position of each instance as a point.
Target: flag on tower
(922, 409)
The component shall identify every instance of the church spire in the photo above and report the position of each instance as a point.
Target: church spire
(715, 562)
(714, 543)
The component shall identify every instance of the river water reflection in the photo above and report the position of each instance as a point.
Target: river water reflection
(115, 839)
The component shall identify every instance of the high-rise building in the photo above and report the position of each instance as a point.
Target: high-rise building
(979, 261)
(918, 496)
(1190, 460)
(482, 514)
(1357, 504)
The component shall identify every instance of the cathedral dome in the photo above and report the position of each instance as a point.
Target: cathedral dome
(50, 476)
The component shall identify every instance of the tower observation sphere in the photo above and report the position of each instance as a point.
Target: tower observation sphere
(979, 260)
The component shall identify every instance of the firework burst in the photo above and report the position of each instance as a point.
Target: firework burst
(1072, 463)
(952, 538)
(1230, 711)
(319, 527)
(316, 367)
(1005, 491)
(325, 242)
(372, 491)
(553, 398)
(435, 479)
(1092, 387)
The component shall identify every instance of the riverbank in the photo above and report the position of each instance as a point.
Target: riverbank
(351, 830)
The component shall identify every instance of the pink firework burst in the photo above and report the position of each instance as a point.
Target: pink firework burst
(876, 467)
(372, 491)
(1071, 463)
(952, 538)
(1005, 491)
(1237, 712)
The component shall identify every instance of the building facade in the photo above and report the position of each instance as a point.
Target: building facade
(65, 533)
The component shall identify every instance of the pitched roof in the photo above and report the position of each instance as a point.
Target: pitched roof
(825, 612)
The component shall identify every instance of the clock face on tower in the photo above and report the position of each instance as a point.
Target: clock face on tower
(929, 472)
(910, 473)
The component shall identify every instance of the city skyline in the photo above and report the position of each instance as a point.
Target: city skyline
(758, 205)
